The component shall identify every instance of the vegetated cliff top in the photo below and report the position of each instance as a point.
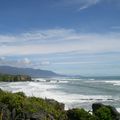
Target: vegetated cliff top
(14, 78)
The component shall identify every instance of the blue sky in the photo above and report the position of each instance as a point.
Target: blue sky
(66, 36)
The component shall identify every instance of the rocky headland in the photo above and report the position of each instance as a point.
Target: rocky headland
(14, 78)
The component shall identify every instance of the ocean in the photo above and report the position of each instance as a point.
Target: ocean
(73, 92)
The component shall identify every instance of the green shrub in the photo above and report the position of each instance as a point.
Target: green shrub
(79, 114)
(103, 113)
(13, 101)
(23, 104)
(21, 94)
(30, 105)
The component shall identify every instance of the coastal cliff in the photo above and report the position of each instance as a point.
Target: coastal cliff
(14, 78)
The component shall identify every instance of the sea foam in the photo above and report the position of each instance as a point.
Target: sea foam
(52, 91)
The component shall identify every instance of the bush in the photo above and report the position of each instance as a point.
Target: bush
(13, 101)
(103, 113)
(29, 105)
(79, 114)
(21, 94)
(17, 104)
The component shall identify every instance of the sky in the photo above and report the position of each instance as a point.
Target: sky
(74, 37)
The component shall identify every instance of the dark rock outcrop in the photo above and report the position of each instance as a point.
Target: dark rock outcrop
(96, 106)
(56, 104)
(5, 113)
(42, 115)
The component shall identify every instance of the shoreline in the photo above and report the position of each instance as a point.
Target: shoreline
(18, 104)
(48, 90)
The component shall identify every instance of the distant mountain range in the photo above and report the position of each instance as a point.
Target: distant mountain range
(27, 71)
(46, 73)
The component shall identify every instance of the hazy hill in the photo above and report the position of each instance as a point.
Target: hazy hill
(27, 71)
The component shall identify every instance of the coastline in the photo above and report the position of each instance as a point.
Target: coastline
(73, 93)
(67, 92)
(53, 90)
(19, 106)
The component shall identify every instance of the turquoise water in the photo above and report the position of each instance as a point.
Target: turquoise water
(72, 92)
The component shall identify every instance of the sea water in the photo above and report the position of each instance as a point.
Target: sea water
(70, 91)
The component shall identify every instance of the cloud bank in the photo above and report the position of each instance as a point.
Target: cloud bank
(58, 41)
(61, 49)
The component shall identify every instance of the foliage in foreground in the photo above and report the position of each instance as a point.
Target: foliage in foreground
(79, 114)
(16, 106)
(103, 113)
(21, 104)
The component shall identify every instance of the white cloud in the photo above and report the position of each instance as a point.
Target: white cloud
(7, 38)
(25, 61)
(88, 3)
(83, 7)
(41, 36)
(81, 4)
(59, 41)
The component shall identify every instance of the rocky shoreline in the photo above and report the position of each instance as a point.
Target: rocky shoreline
(17, 106)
